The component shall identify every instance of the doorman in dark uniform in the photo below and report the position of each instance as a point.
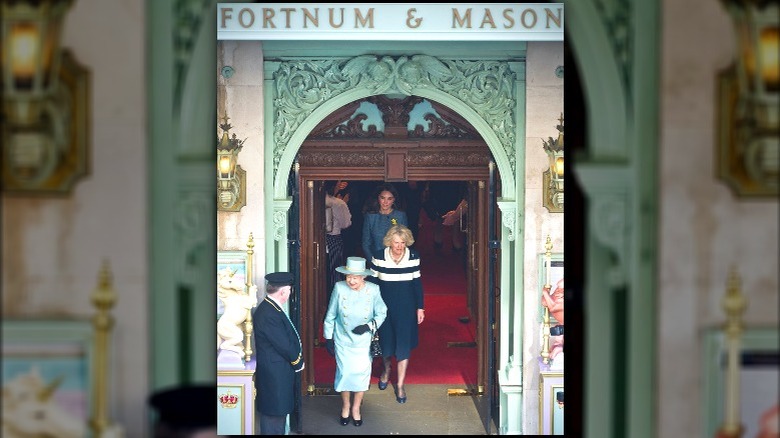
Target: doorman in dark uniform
(279, 355)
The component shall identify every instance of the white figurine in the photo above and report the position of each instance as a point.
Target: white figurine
(237, 304)
(29, 410)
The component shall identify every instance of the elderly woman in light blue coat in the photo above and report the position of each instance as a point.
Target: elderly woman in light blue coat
(355, 312)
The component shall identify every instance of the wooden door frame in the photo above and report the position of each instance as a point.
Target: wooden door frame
(479, 260)
(397, 155)
(312, 259)
(312, 286)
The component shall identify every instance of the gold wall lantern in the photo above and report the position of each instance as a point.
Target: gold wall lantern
(552, 178)
(231, 178)
(45, 126)
(748, 95)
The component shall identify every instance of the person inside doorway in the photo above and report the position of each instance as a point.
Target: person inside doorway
(380, 214)
(456, 220)
(411, 196)
(441, 200)
(354, 193)
(337, 218)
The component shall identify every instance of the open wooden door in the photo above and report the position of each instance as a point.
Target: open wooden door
(472, 237)
(482, 277)
(477, 269)
(313, 265)
(493, 248)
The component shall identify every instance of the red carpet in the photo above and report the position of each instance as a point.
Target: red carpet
(432, 362)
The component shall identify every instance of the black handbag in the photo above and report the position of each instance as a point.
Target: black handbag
(376, 348)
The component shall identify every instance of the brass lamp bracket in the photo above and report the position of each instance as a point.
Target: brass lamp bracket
(747, 158)
(51, 155)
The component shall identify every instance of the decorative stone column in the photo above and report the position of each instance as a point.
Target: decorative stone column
(510, 379)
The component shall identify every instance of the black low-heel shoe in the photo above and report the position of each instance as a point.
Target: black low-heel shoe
(400, 399)
(357, 423)
(382, 385)
(344, 420)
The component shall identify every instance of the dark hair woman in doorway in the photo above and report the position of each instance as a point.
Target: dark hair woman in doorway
(380, 214)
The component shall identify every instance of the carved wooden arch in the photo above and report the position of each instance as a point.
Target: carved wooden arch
(448, 148)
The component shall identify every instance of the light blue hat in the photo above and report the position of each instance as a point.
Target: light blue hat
(355, 266)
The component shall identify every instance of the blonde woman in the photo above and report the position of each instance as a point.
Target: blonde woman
(397, 270)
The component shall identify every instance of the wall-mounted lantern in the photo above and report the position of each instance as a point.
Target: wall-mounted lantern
(552, 178)
(748, 159)
(45, 126)
(231, 178)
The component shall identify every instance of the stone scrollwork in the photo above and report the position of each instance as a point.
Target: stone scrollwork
(509, 217)
(281, 208)
(195, 213)
(189, 17)
(304, 85)
(280, 224)
(510, 221)
(608, 215)
(617, 18)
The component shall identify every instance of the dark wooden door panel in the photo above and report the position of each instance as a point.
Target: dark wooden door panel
(312, 214)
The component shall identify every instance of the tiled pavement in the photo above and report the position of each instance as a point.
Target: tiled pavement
(429, 410)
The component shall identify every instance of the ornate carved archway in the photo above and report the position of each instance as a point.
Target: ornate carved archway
(306, 91)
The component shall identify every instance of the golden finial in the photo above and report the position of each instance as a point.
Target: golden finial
(249, 282)
(250, 244)
(249, 259)
(103, 298)
(734, 303)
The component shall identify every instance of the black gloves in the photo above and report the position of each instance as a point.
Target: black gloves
(331, 347)
(359, 330)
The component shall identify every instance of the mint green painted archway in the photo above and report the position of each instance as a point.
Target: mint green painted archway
(603, 84)
(301, 93)
(493, 110)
